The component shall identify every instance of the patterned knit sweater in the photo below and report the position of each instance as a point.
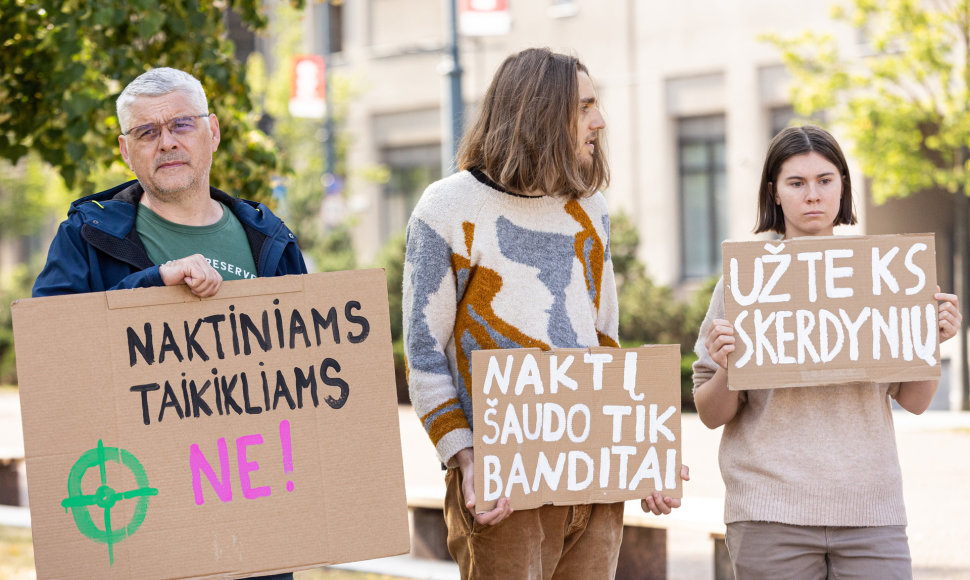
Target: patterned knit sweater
(809, 456)
(486, 269)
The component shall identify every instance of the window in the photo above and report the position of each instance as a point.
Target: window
(703, 194)
(412, 169)
(333, 13)
(779, 118)
(336, 25)
(562, 8)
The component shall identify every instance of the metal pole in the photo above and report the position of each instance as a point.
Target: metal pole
(452, 107)
(329, 162)
(962, 250)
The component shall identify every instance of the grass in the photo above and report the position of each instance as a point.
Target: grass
(16, 553)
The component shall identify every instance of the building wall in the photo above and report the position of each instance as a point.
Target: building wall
(667, 74)
(927, 212)
(655, 64)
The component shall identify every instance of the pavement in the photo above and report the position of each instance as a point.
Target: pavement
(934, 451)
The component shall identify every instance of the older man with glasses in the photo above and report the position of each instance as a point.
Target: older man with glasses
(168, 226)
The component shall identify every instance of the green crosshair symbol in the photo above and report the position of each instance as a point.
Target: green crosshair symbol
(106, 497)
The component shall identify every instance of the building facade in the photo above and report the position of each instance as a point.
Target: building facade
(691, 93)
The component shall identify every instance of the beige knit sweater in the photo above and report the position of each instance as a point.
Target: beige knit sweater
(811, 456)
(486, 269)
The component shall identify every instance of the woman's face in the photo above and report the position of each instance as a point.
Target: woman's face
(809, 191)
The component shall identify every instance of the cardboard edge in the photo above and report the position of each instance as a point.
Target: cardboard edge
(230, 290)
(672, 350)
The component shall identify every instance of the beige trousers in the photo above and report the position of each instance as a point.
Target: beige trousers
(549, 542)
(769, 550)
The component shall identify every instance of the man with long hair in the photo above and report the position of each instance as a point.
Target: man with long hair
(513, 252)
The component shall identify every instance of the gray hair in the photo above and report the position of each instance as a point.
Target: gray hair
(158, 82)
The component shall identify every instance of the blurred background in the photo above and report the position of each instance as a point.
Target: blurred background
(338, 114)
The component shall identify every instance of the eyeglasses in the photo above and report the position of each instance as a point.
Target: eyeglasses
(177, 126)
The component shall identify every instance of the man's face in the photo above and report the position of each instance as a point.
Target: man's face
(589, 120)
(170, 164)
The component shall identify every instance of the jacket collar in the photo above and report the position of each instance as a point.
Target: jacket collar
(109, 221)
(117, 218)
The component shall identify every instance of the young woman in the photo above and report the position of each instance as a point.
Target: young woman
(813, 484)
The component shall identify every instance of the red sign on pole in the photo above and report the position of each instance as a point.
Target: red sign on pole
(484, 17)
(308, 86)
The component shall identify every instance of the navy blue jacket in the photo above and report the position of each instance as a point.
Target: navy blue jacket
(97, 248)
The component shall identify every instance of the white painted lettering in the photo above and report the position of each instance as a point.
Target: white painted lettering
(597, 360)
(881, 273)
(833, 273)
(810, 258)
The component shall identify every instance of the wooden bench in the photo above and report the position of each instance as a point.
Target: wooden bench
(429, 534)
(13, 491)
(13, 481)
(643, 553)
(722, 560)
(13, 475)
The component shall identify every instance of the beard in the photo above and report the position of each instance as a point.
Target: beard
(173, 186)
(171, 189)
(588, 168)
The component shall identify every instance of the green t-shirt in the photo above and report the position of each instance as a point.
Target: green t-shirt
(223, 243)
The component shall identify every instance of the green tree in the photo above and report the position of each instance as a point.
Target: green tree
(29, 195)
(650, 313)
(391, 259)
(326, 243)
(66, 61)
(904, 104)
(16, 285)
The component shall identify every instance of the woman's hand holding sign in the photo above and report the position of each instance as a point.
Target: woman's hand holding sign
(916, 396)
(716, 404)
(950, 317)
(720, 341)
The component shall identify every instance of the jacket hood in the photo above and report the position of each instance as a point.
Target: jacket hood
(129, 192)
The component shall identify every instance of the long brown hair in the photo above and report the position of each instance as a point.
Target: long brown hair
(525, 136)
(789, 143)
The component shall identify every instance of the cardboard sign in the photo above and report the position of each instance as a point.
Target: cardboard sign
(573, 426)
(249, 433)
(831, 310)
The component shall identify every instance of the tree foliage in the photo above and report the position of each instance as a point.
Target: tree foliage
(321, 217)
(650, 313)
(29, 195)
(903, 98)
(14, 286)
(66, 61)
